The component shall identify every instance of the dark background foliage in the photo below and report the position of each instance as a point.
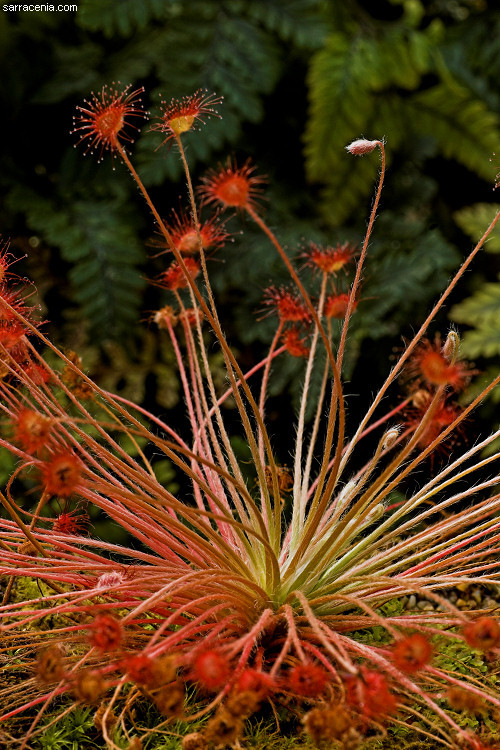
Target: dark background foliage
(300, 80)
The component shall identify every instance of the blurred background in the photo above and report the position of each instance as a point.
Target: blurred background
(300, 80)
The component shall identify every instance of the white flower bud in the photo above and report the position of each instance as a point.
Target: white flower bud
(389, 438)
(362, 146)
(451, 346)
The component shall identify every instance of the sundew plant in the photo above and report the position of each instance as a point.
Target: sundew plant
(259, 588)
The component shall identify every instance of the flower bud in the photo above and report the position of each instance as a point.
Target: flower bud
(375, 514)
(346, 493)
(450, 346)
(362, 147)
(389, 438)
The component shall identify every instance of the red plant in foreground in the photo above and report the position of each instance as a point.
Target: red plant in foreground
(336, 305)
(12, 327)
(427, 423)
(288, 304)
(483, 633)
(61, 473)
(308, 680)
(256, 682)
(140, 669)
(294, 344)
(106, 633)
(71, 522)
(31, 430)
(211, 669)
(412, 653)
(228, 588)
(369, 693)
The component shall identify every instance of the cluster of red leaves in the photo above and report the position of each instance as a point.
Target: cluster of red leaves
(106, 633)
(483, 633)
(336, 305)
(211, 669)
(189, 239)
(293, 313)
(256, 681)
(429, 367)
(166, 317)
(290, 307)
(368, 699)
(308, 680)
(33, 431)
(369, 695)
(60, 469)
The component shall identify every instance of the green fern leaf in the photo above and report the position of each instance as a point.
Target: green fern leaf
(473, 220)
(461, 124)
(299, 21)
(482, 312)
(483, 305)
(399, 58)
(345, 79)
(99, 240)
(483, 342)
(75, 72)
(119, 16)
(420, 262)
(355, 87)
(337, 85)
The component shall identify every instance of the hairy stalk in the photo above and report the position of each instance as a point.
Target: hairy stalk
(274, 574)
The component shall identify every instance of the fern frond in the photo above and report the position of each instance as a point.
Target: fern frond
(338, 106)
(402, 276)
(352, 92)
(461, 124)
(299, 21)
(481, 311)
(100, 240)
(119, 16)
(471, 218)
